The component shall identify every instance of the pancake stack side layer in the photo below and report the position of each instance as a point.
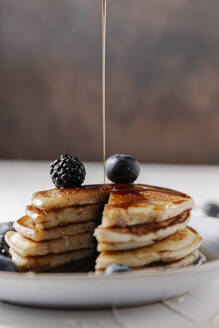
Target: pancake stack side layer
(57, 230)
(143, 227)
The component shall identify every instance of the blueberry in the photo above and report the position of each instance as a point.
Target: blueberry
(211, 209)
(6, 264)
(4, 227)
(122, 168)
(3, 247)
(116, 268)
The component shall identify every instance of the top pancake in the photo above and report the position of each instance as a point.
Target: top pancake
(144, 204)
(127, 205)
(60, 198)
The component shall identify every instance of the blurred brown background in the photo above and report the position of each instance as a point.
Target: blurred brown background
(162, 79)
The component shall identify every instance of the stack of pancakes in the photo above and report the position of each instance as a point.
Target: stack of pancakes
(145, 227)
(55, 231)
(141, 227)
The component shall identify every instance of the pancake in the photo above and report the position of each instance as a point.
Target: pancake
(47, 262)
(118, 238)
(158, 267)
(144, 204)
(54, 218)
(185, 261)
(26, 228)
(128, 204)
(175, 247)
(60, 198)
(27, 247)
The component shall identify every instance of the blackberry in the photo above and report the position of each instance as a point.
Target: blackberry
(67, 172)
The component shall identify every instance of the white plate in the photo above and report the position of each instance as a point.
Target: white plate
(83, 290)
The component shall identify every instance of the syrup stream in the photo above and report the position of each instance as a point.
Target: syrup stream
(104, 84)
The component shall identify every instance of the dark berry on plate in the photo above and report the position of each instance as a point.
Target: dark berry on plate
(67, 172)
(116, 268)
(211, 209)
(5, 227)
(6, 264)
(122, 168)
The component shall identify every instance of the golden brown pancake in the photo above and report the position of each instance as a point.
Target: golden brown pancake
(27, 247)
(28, 229)
(143, 204)
(130, 237)
(60, 198)
(48, 262)
(53, 218)
(158, 267)
(172, 248)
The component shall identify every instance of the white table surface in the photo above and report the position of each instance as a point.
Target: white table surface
(200, 308)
